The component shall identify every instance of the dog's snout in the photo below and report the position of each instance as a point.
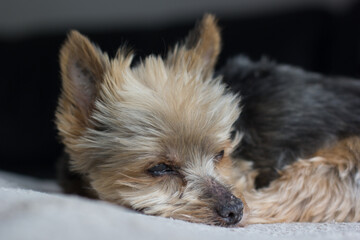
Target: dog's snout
(231, 211)
(227, 207)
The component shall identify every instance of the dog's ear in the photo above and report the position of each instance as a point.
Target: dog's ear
(200, 49)
(204, 41)
(82, 69)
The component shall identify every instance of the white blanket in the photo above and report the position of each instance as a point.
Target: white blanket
(36, 210)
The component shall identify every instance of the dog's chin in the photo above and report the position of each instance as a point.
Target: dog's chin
(207, 217)
(214, 221)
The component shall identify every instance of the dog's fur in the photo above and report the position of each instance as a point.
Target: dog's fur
(162, 137)
(288, 113)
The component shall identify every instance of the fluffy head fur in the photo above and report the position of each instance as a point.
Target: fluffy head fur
(154, 137)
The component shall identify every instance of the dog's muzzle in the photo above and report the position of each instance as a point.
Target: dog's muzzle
(228, 208)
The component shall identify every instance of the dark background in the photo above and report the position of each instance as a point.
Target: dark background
(315, 38)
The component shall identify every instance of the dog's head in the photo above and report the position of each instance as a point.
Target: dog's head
(155, 137)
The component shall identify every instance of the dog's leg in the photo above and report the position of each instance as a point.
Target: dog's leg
(320, 189)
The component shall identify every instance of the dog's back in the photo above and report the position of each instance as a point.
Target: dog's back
(288, 113)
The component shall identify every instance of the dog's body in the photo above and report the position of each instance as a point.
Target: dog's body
(288, 113)
(158, 137)
(306, 125)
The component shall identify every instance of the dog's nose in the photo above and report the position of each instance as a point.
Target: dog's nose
(227, 207)
(231, 211)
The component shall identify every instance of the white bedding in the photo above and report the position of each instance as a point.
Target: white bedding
(35, 209)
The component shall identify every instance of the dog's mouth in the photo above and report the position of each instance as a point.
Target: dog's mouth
(231, 221)
(226, 216)
(222, 223)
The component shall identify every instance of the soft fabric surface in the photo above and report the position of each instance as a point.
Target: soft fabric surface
(34, 209)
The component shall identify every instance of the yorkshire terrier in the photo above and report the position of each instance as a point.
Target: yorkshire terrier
(252, 143)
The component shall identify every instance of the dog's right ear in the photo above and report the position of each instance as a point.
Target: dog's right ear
(200, 49)
(82, 68)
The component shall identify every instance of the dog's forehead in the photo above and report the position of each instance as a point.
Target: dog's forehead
(170, 97)
(186, 145)
(157, 108)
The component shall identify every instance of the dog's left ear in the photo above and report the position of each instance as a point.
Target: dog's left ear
(201, 48)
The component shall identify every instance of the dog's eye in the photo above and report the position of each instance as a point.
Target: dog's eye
(219, 156)
(161, 169)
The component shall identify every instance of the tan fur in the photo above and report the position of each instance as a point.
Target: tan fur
(323, 188)
(117, 122)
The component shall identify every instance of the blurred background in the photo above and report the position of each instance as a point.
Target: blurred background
(318, 35)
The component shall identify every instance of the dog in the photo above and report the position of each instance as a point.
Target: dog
(252, 143)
